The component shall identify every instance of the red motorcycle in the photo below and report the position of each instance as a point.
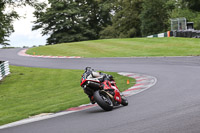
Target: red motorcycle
(103, 89)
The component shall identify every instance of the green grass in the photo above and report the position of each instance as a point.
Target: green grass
(124, 48)
(31, 91)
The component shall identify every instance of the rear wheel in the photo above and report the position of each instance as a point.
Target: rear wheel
(103, 100)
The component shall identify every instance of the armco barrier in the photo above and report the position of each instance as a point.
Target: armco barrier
(4, 69)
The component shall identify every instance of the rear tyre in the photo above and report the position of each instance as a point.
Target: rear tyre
(103, 100)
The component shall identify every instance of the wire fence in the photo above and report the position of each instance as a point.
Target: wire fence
(178, 24)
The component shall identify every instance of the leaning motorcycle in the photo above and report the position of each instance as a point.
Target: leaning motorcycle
(106, 94)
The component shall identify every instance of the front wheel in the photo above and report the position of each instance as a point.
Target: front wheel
(103, 100)
(124, 101)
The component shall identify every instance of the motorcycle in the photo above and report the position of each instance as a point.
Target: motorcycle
(104, 90)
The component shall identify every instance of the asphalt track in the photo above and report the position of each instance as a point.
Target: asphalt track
(171, 106)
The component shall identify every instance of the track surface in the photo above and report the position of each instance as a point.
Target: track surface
(171, 106)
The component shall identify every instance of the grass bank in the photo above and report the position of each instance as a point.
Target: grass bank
(124, 48)
(31, 91)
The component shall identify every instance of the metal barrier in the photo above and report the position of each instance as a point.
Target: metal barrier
(4, 69)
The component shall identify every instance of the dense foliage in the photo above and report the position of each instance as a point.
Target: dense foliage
(125, 21)
(78, 20)
(6, 27)
(7, 17)
(72, 20)
(154, 17)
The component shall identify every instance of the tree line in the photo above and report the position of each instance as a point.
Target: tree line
(79, 20)
(7, 17)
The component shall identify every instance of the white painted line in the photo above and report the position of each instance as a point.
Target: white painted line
(29, 120)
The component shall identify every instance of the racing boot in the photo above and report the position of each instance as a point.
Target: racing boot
(92, 99)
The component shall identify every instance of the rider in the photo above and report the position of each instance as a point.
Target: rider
(103, 78)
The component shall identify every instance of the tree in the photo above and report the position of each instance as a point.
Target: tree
(190, 15)
(6, 27)
(109, 32)
(186, 8)
(154, 17)
(6, 18)
(71, 20)
(126, 21)
(193, 4)
(99, 15)
(63, 21)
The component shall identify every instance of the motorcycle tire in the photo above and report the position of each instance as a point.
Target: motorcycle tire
(124, 101)
(103, 100)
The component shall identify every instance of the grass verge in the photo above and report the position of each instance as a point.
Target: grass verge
(124, 48)
(31, 91)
